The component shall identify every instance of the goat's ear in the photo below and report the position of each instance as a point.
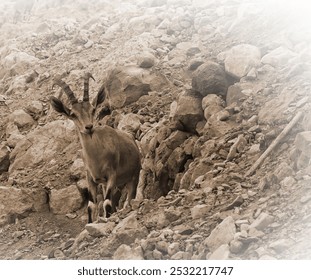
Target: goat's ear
(59, 106)
(101, 96)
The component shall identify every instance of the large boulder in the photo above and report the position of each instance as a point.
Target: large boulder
(187, 111)
(221, 234)
(209, 78)
(126, 84)
(41, 145)
(241, 59)
(18, 61)
(18, 203)
(66, 200)
(21, 119)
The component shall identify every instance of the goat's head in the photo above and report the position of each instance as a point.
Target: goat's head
(81, 112)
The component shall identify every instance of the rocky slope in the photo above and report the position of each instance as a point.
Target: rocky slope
(206, 87)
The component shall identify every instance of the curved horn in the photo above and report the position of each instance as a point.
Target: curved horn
(66, 89)
(87, 77)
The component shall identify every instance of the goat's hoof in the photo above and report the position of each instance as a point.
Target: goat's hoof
(102, 220)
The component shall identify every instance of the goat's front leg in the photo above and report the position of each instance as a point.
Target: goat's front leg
(92, 208)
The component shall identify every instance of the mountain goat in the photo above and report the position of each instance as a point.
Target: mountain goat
(111, 157)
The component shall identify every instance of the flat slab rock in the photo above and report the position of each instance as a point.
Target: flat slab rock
(221, 234)
(18, 203)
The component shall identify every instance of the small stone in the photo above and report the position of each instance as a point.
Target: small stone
(184, 229)
(178, 256)
(157, 255)
(51, 254)
(129, 122)
(162, 246)
(189, 248)
(283, 170)
(59, 255)
(221, 253)
(173, 248)
(146, 60)
(281, 245)
(236, 246)
(199, 211)
(35, 107)
(193, 51)
(125, 252)
(253, 119)
(261, 251)
(18, 234)
(300, 103)
(255, 128)
(130, 222)
(236, 203)
(68, 244)
(251, 193)
(21, 119)
(98, 230)
(88, 44)
(254, 149)
(244, 227)
(237, 148)
(172, 215)
(77, 168)
(262, 222)
(288, 182)
(241, 222)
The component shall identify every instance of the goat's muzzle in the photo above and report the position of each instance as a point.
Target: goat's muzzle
(89, 129)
